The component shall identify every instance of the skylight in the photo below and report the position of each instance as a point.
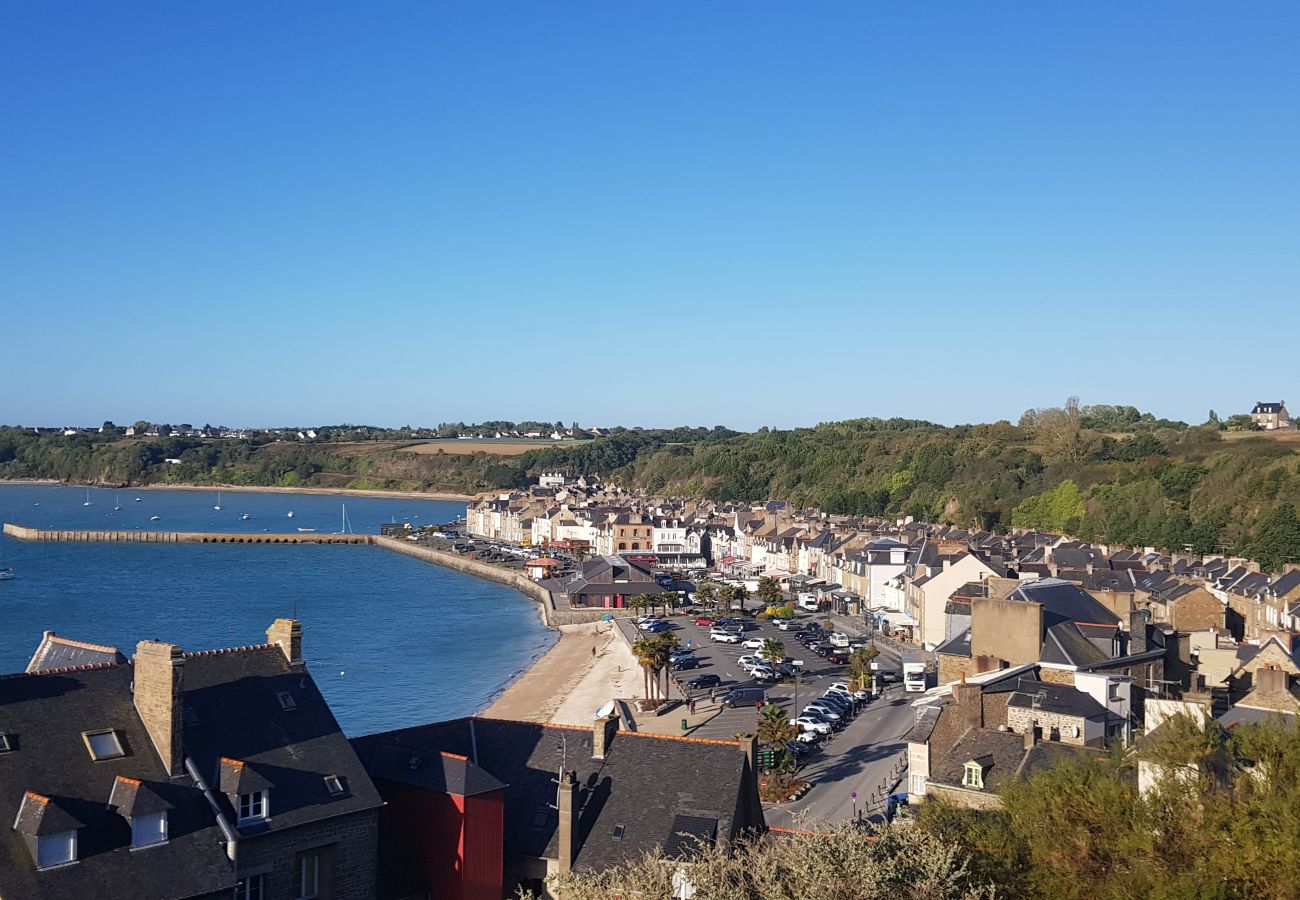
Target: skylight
(334, 784)
(618, 832)
(103, 745)
(287, 701)
(189, 716)
(5, 744)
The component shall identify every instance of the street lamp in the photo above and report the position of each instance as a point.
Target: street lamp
(854, 795)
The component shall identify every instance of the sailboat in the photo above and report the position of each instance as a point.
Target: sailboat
(87, 503)
(218, 506)
(346, 527)
(117, 503)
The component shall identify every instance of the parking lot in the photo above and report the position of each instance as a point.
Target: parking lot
(859, 758)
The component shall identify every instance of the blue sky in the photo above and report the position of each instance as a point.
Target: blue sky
(724, 213)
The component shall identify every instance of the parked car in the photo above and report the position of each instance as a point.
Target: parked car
(684, 662)
(809, 723)
(724, 637)
(888, 676)
(764, 673)
(859, 696)
(825, 711)
(786, 625)
(706, 680)
(705, 621)
(750, 659)
(746, 696)
(655, 626)
(753, 643)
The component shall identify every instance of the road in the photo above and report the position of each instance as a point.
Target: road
(864, 757)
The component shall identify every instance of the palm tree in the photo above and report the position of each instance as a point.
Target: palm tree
(860, 666)
(772, 650)
(774, 728)
(739, 594)
(643, 650)
(705, 594)
(664, 644)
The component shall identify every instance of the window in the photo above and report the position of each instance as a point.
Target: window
(103, 745)
(189, 716)
(1112, 691)
(56, 849)
(253, 806)
(619, 831)
(974, 777)
(311, 874)
(5, 743)
(918, 785)
(287, 701)
(149, 829)
(334, 784)
(251, 888)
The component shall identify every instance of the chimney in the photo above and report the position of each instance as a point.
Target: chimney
(749, 747)
(158, 696)
(1137, 631)
(1270, 680)
(1031, 737)
(967, 700)
(567, 836)
(602, 735)
(287, 635)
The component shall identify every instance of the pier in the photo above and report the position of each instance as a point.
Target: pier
(23, 533)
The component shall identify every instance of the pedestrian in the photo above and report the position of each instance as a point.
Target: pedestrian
(758, 705)
(710, 695)
(692, 707)
(593, 652)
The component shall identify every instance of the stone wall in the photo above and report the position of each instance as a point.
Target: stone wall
(23, 533)
(963, 796)
(355, 842)
(1021, 719)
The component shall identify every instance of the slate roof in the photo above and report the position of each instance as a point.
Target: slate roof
(1064, 601)
(1031, 693)
(46, 714)
(57, 652)
(957, 645)
(1000, 752)
(645, 783)
(234, 696)
(446, 773)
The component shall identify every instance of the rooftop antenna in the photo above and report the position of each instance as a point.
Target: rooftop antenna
(564, 762)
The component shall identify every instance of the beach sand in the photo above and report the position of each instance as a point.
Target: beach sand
(568, 684)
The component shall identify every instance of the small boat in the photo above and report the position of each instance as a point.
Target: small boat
(137, 499)
(346, 527)
(87, 503)
(218, 505)
(154, 518)
(244, 517)
(307, 530)
(117, 503)
(7, 574)
(291, 514)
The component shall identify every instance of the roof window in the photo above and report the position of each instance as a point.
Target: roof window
(103, 744)
(619, 830)
(189, 716)
(6, 742)
(334, 784)
(286, 700)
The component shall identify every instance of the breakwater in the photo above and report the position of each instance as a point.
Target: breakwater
(23, 533)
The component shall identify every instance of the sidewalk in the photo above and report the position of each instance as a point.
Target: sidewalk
(855, 626)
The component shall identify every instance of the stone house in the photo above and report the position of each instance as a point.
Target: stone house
(210, 774)
(1271, 416)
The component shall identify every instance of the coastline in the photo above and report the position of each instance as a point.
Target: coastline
(589, 665)
(236, 488)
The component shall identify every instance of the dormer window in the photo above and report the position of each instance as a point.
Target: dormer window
(103, 745)
(49, 831)
(974, 777)
(58, 849)
(253, 807)
(149, 829)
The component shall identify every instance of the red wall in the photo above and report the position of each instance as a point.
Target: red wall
(455, 841)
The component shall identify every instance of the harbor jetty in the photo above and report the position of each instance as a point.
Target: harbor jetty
(80, 536)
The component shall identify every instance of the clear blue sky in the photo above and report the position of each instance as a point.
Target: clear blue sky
(658, 213)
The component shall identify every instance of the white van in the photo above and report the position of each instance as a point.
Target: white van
(808, 601)
(838, 639)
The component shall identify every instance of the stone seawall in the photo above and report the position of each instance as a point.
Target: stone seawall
(553, 614)
(23, 533)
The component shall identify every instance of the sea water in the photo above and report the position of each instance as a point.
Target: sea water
(392, 641)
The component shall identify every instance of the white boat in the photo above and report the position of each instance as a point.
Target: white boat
(218, 506)
(154, 518)
(346, 527)
(87, 503)
(244, 516)
(7, 574)
(291, 514)
(137, 499)
(117, 503)
(307, 530)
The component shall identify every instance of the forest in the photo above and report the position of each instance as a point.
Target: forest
(1102, 473)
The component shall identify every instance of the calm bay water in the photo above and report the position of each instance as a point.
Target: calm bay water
(392, 641)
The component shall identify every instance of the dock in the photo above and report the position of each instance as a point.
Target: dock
(23, 533)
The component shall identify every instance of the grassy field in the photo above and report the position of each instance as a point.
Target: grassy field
(494, 447)
(1288, 437)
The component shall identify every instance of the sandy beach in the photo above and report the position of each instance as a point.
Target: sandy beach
(255, 489)
(569, 683)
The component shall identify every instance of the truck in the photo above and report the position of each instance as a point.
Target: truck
(913, 672)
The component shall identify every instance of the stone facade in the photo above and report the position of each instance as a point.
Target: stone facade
(1055, 726)
(963, 797)
(350, 844)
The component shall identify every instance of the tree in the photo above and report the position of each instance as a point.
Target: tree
(1059, 430)
(772, 650)
(836, 862)
(769, 591)
(1060, 509)
(1276, 540)
(859, 669)
(706, 594)
(738, 594)
(774, 728)
(644, 651)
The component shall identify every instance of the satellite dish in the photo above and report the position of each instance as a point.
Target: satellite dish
(605, 711)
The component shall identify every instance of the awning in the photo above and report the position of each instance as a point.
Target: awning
(899, 618)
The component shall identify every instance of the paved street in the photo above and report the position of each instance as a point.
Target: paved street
(862, 757)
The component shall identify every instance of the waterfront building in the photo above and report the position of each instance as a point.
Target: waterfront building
(476, 806)
(210, 774)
